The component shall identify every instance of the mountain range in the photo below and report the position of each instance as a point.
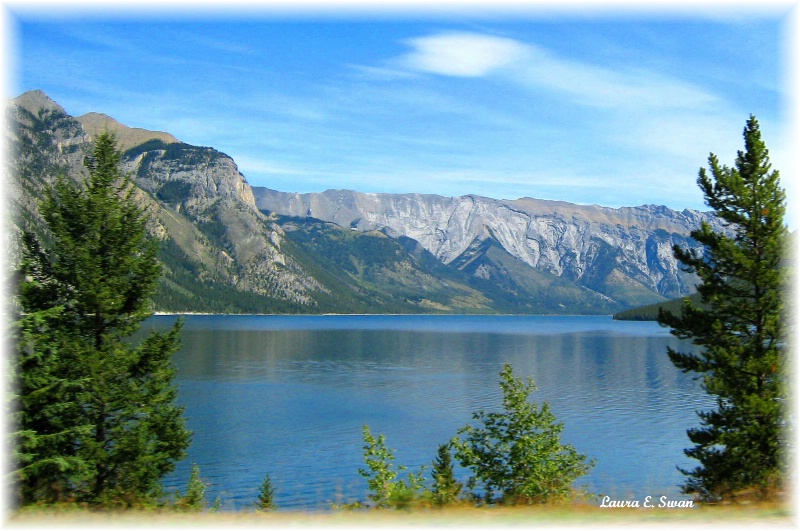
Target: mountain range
(229, 247)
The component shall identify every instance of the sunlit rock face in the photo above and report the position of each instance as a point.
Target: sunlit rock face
(197, 197)
(587, 243)
(523, 255)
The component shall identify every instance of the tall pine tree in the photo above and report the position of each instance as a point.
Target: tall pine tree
(739, 330)
(97, 419)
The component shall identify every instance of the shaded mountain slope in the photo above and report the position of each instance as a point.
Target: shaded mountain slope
(230, 247)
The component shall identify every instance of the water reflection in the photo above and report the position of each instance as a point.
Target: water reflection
(291, 401)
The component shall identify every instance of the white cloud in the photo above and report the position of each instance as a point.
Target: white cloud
(461, 54)
(598, 86)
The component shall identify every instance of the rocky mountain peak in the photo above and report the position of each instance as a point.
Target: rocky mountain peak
(202, 209)
(34, 101)
(127, 137)
(262, 249)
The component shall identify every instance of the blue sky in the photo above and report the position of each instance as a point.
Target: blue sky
(616, 107)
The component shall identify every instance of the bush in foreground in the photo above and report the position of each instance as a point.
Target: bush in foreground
(516, 455)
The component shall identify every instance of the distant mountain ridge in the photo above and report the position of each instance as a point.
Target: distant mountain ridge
(608, 250)
(230, 247)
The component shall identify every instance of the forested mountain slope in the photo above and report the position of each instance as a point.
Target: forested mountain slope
(230, 247)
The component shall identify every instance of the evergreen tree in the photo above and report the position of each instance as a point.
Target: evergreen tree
(266, 495)
(739, 329)
(47, 418)
(446, 488)
(517, 455)
(97, 419)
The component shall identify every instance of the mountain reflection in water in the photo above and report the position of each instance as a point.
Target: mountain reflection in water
(288, 396)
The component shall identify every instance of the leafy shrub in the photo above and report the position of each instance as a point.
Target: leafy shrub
(386, 491)
(516, 455)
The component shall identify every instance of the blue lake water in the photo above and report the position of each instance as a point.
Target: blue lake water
(288, 396)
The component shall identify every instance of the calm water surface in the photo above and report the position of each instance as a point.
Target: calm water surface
(288, 396)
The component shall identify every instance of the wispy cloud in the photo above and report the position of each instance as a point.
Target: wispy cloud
(464, 54)
(586, 113)
(461, 54)
(597, 86)
(383, 73)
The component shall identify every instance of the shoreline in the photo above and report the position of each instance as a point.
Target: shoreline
(162, 314)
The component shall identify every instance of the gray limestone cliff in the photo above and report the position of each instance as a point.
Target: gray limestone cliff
(224, 239)
(630, 245)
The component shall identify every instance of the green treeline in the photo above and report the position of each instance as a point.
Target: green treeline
(651, 311)
(180, 288)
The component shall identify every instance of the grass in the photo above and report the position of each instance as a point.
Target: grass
(743, 515)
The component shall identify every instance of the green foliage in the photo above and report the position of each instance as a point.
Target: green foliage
(144, 165)
(651, 311)
(740, 328)
(31, 167)
(215, 230)
(516, 455)
(386, 491)
(174, 192)
(266, 495)
(183, 290)
(195, 498)
(189, 155)
(47, 427)
(97, 420)
(515, 287)
(373, 273)
(153, 144)
(446, 488)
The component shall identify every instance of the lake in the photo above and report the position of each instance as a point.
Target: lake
(288, 396)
